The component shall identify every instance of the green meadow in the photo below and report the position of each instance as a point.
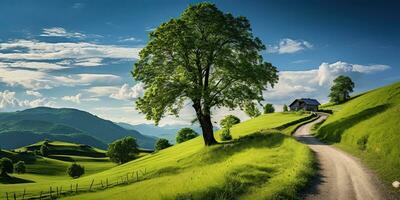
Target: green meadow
(260, 163)
(368, 127)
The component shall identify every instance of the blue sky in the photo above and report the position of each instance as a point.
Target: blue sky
(79, 53)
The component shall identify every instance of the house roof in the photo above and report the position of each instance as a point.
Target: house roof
(307, 101)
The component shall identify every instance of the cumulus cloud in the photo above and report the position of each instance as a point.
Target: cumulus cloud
(33, 93)
(37, 50)
(73, 98)
(288, 45)
(61, 32)
(84, 79)
(39, 66)
(8, 99)
(128, 93)
(99, 91)
(89, 62)
(316, 82)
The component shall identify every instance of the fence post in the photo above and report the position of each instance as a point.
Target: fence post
(50, 193)
(101, 182)
(57, 191)
(107, 183)
(76, 188)
(7, 195)
(23, 195)
(15, 197)
(60, 190)
(40, 197)
(71, 188)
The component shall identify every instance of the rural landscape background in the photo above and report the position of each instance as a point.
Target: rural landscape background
(199, 100)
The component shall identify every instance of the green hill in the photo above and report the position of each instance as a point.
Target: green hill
(368, 126)
(259, 164)
(32, 125)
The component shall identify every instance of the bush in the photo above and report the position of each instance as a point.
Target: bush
(269, 108)
(123, 150)
(185, 134)
(162, 144)
(19, 167)
(226, 135)
(44, 150)
(75, 170)
(6, 166)
(362, 142)
(285, 108)
(229, 121)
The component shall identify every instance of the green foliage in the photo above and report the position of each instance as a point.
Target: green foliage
(19, 167)
(225, 134)
(123, 150)
(162, 143)
(6, 166)
(285, 108)
(251, 110)
(75, 170)
(44, 150)
(206, 56)
(229, 121)
(362, 142)
(269, 108)
(185, 134)
(341, 89)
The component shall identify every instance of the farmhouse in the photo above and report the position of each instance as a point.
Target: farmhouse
(304, 104)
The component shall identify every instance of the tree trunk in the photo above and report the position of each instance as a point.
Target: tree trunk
(207, 128)
(206, 125)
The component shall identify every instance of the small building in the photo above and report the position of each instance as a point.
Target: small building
(304, 104)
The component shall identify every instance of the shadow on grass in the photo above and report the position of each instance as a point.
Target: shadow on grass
(13, 180)
(332, 133)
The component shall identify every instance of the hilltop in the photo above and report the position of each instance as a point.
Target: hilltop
(25, 127)
(367, 126)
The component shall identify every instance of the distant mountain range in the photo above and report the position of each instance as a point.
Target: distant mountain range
(25, 127)
(168, 131)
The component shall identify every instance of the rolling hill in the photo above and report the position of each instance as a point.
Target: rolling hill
(32, 125)
(368, 127)
(259, 163)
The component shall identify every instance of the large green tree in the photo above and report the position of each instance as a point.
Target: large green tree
(341, 89)
(123, 150)
(205, 57)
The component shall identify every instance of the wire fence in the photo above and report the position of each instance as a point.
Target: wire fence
(55, 192)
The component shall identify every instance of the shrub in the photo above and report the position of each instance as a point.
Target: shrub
(226, 135)
(123, 150)
(44, 150)
(269, 108)
(285, 108)
(362, 142)
(19, 167)
(75, 170)
(6, 166)
(162, 144)
(229, 121)
(185, 134)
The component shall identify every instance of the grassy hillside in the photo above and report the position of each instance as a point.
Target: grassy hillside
(32, 125)
(265, 165)
(368, 126)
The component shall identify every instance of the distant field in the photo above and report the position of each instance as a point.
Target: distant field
(368, 126)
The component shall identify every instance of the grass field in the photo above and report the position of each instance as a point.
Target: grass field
(266, 165)
(368, 126)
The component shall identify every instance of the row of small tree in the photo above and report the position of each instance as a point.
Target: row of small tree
(252, 111)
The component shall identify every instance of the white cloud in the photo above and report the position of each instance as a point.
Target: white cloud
(74, 99)
(99, 91)
(130, 39)
(8, 100)
(66, 50)
(129, 93)
(288, 45)
(89, 62)
(25, 78)
(60, 32)
(40, 66)
(33, 93)
(314, 83)
(85, 79)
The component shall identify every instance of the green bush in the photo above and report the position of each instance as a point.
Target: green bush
(75, 170)
(362, 142)
(19, 167)
(6, 166)
(185, 134)
(162, 143)
(269, 108)
(123, 150)
(229, 121)
(44, 150)
(226, 135)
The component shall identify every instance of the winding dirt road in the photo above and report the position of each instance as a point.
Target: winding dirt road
(341, 176)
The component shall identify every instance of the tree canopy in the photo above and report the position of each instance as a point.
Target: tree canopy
(75, 170)
(185, 134)
(341, 89)
(285, 108)
(162, 143)
(251, 110)
(19, 167)
(6, 166)
(205, 57)
(123, 150)
(269, 108)
(229, 121)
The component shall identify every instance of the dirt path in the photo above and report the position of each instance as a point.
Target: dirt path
(341, 176)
